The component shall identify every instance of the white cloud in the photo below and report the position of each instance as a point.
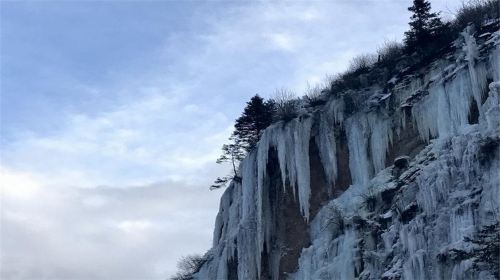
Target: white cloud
(20, 185)
(134, 225)
(135, 143)
(103, 233)
(283, 41)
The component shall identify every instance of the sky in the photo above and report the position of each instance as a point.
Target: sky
(112, 114)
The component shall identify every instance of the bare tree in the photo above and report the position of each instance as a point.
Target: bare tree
(188, 266)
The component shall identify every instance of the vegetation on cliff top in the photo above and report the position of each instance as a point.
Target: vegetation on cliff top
(427, 39)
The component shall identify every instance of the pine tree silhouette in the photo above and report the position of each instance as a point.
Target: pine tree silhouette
(425, 27)
(256, 116)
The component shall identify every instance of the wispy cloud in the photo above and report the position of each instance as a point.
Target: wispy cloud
(151, 136)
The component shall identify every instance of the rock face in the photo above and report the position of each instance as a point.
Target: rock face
(320, 199)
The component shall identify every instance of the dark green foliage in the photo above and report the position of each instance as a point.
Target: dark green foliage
(188, 266)
(256, 116)
(248, 128)
(426, 29)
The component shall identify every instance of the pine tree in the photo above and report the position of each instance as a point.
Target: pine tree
(425, 27)
(256, 116)
(233, 153)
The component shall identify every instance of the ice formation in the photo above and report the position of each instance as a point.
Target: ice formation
(413, 223)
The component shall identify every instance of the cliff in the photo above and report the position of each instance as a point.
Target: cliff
(389, 182)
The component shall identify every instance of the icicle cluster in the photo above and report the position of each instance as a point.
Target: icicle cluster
(444, 196)
(367, 132)
(445, 109)
(452, 195)
(292, 144)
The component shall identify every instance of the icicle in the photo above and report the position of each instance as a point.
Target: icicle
(477, 76)
(461, 223)
(363, 129)
(248, 176)
(425, 114)
(261, 227)
(380, 139)
(492, 107)
(458, 93)
(357, 139)
(248, 256)
(414, 268)
(336, 109)
(302, 137)
(283, 153)
(330, 259)
(460, 270)
(290, 171)
(445, 110)
(292, 144)
(327, 149)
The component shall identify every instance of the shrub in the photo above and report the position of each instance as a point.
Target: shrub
(389, 52)
(286, 103)
(361, 63)
(369, 199)
(336, 84)
(335, 222)
(355, 77)
(476, 12)
(315, 95)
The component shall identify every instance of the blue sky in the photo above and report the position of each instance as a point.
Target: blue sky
(113, 113)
